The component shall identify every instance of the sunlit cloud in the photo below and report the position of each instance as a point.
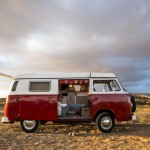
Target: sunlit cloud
(34, 44)
(77, 36)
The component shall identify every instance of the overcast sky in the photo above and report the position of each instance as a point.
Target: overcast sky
(76, 36)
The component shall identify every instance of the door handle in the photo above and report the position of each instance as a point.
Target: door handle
(52, 99)
(17, 99)
(95, 98)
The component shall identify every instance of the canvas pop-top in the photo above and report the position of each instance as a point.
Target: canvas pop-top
(33, 100)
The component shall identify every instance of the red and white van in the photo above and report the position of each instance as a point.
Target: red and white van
(33, 98)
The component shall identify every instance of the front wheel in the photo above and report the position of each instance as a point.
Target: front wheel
(29, 126)
(105, 122)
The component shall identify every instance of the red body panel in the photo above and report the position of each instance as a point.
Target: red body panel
(32, 107)
(11, 109)
(117, 103)
(44, 107)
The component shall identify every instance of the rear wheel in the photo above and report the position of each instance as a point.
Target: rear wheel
(29, 126)
(105, 122)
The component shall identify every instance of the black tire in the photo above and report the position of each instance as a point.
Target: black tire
(105, 122)
(133, 104)
(29, 126)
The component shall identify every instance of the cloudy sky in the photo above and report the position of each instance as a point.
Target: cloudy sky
(76, 36)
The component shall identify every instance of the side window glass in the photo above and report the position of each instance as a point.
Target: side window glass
(105, 86)
(39, 86)
(115, 86)
(14, 86)
(101, 85)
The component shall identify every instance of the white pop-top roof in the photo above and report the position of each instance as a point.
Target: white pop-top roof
(65, 75)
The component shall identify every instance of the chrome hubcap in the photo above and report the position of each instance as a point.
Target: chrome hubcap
(106, 123)
(29, 124)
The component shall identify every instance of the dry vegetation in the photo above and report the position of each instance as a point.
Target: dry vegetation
(127, 135)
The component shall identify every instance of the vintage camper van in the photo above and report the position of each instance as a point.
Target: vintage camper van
(33, 100)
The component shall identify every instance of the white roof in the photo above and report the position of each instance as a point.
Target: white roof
(103, 75)
(65, 75)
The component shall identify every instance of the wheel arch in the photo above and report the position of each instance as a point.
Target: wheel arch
(103, 110)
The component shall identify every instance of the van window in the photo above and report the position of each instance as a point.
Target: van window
(14, 86)
(115, 86)
(39, 86)
(105, 85)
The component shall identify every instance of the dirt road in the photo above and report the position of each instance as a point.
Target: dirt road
(126, 135)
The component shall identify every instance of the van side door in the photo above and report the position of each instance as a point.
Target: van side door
(39, 102)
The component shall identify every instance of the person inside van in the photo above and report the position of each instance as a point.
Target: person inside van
(63, 109)
(61, 106)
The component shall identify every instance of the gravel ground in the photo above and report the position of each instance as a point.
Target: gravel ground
(126, 135)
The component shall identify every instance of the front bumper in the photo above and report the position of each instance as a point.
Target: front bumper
(5, 120)
(134, 117)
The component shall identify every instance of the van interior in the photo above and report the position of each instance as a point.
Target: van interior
(75, 92)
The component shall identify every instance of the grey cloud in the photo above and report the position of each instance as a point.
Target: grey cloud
(75, 35)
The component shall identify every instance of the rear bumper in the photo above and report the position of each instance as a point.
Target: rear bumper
(134, 117)
(5, 120)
